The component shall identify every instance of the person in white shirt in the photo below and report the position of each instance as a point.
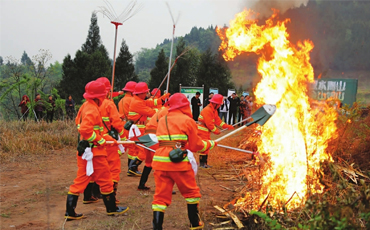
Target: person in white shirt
(224, 109)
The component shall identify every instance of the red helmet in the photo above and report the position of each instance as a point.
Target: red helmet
(158, 92)
(130, 86)
(217, 99)
(177, 100)
(140, 88)
(105, 81)
(94, 89)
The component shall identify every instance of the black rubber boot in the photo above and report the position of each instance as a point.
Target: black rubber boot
(144, 178)
(96, 191)
(111, 206)
(88, 195)
(158, 220)
(205, 158)
(193, 214)
(201, 161)
(70, 208)
(133, 168)
(115, 187)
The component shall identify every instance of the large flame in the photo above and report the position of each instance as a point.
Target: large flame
(296, 137)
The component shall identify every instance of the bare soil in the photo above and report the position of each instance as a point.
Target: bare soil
(33, 194)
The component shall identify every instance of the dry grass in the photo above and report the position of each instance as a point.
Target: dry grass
(22, 139)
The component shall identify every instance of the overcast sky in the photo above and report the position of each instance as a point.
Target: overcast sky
(61, 26)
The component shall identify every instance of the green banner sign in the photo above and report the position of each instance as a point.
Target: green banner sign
(191, 90)
(344, 90)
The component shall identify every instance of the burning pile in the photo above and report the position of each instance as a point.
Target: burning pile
(296, 137)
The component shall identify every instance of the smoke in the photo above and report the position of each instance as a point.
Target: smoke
(264, 7)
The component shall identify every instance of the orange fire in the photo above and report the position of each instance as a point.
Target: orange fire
(296, 136)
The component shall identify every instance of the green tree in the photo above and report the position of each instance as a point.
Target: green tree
(159, 71)
(186, 67)
(125, 69)
(90, 63)
(1, 61)
(213, 72)
(25, 60)
(93, 40)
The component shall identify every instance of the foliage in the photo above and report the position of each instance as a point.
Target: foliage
(90, 63)
(125, 69)
(199, 38)
(158, 72)
(23, 139)
(213, 72)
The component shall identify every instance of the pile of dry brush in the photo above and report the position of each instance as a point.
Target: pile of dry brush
(345, 202)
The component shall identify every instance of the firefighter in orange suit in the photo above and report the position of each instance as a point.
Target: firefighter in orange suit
(157, 99)
(111, 120)
(176, 130)
(139, 113)
(151, 128)
(207, 123)
(89, 126)
(123, 108)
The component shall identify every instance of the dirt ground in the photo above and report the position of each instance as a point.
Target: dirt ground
(33, 196)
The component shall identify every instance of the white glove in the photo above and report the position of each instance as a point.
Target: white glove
(134, 132)
(120, 146)
(88, 156)
(193, 162)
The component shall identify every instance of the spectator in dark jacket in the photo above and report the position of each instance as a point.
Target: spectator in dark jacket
(234, 104)
(70, 107)
(50, 110)
(206, 101)
(195, 106)
(39, 107)
(24, 107)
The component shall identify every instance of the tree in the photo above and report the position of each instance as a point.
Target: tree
(1, 61)
(25, 60)
(213, 73)
(125, 69)
(159, 71)
(184, 71)
(90, 63)
(39, 69)
(93, 40)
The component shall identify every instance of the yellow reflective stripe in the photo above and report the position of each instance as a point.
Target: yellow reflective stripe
(222, 124)
(141, 126)
(159, 208)
(119, 152)
(156, 110)
(132, 113)
(203, 129)
(106, 119)
(205, 146)
(212, 144)
(155, 102)
(123, 138)
(121, 133)
(214, 129)
(200, 117)
(78, 126)
(101, 141)
(96, 127)
(178, 137)
(192, 200)
(92, 138)
(166, 159)
(148, 118)
(130, 157)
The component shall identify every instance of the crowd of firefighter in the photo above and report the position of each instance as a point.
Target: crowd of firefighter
(106, 132)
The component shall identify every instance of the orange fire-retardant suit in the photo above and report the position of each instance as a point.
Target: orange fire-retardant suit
(111, 118)
(89, 125)
(176, 129)
(139, 112)
(151, 128)
(208, 122)
(123, 108)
